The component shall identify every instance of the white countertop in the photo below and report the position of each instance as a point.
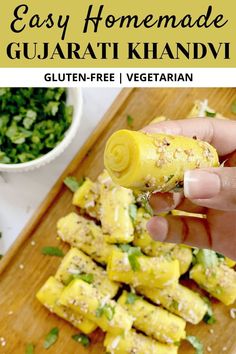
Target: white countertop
(21, 193)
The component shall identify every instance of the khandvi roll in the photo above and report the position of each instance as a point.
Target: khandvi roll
(115, 203)
(76, 264)
(154, 162)
(83, 298)
(86, 198)
(85, 235)
(179, 300)
(133, 342)
(152, 320)
(49, 296)
(130, 266)
(219, 280)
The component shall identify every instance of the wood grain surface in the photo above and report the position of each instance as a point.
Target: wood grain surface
(24, 269)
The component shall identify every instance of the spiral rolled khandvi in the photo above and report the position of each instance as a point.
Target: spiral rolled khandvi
(133, 342)
(155, 162)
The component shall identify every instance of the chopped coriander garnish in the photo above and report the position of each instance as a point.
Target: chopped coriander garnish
(195, 342)
(175, 304)
(32, 122)
(207, 258)
(210, 114)
(81, 338)
(209, 317)
(133, 254)
(88, 278)
(129, 120)
(52, 251)
(73, 183)
(220, 256)
(131, 298)
(51, 338)
(133, 212)
(143, 199)
(107, 310)
(29, 349)
(233, 107)
(1, 255)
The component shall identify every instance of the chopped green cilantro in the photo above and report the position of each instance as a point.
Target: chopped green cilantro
(133, 254)
(107, 310)
(207, 258)
(210, 114)
(81, 338)
(29, 349)
(73, 183)
(133, 212)
(195, 342)
(175, 304)
(88, 278)
(233, 107)
(1, 255)
(52, 251)
(131, 298)
(209, 317)
(129, 120)
(32, 122)
(143, 199)
(51, 338)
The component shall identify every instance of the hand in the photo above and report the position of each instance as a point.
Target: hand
(210, 191)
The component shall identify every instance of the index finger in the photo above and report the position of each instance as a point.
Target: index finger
(218, 132)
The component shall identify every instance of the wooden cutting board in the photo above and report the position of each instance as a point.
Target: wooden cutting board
(24, 269)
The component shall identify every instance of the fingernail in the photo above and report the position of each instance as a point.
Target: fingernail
(201, 184)
(158, 228)
(162, 202)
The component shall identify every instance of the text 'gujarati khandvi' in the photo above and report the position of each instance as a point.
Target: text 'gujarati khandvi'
(155, 162)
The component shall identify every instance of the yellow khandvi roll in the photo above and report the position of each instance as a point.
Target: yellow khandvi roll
(153, 320)
(49, 296)
(133, 342)
(218, 280)
(179, 300)
(154, 162)
(130, 266)
(77, 264)
(83, 298)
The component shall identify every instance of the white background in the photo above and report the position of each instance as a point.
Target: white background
(21, 193)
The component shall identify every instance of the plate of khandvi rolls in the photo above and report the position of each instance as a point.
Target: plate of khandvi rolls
(113, 289)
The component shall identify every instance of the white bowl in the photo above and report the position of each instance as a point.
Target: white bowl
(74, 98)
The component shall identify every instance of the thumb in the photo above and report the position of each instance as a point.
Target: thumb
(212, 187)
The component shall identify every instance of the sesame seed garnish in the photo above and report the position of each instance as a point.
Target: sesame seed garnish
(10, 313)
(33, 243)
(21, 266)
(209, 349)
(211, 330)
(224, 349)
(233, 313)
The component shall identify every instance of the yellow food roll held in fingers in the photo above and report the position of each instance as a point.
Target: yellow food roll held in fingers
(154, 162)
(132, 267)
(86, 197)
(133, 342)
(154, 321)
(218, 280)
(153, 248)
(49, 295)
(179, 300)
(83, 298)
(115, 203)
(77, 264)
(85, 235)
